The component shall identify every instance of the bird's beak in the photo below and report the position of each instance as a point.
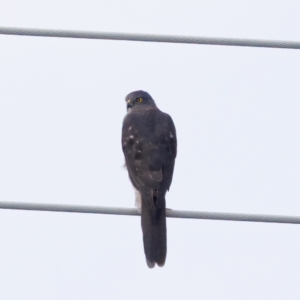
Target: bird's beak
(129, 103)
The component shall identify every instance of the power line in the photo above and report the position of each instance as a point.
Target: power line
(149, 38)
(181, 214)
(161, 39)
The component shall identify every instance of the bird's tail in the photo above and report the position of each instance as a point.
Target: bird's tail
(154, 227)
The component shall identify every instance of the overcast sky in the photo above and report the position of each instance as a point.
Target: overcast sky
(237, 114)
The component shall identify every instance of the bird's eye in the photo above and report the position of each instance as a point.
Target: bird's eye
(139, 100)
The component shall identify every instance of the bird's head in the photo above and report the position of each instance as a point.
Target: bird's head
(139, 100)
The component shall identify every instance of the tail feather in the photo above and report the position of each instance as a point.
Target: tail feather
(161, 238)
(153, 219)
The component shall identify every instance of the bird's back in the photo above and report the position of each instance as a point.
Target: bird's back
(149, 143)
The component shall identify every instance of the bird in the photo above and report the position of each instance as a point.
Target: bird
(149, 145)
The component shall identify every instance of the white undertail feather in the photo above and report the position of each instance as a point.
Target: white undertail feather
(138, 197)
(138, 200)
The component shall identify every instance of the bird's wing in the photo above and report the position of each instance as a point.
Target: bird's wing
(149, 145)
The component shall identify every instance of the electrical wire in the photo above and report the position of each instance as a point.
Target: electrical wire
(181, 214)
(149, 38)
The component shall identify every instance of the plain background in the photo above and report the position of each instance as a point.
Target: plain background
(237, 113)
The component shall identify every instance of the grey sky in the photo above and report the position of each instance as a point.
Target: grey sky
(237, 113)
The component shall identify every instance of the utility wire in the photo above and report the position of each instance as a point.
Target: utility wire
(149, 38)
(181, 214)
(161, 39)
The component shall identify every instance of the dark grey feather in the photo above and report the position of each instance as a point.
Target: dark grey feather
(150, 147)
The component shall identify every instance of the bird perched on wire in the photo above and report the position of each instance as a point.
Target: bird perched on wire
(150, 146)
